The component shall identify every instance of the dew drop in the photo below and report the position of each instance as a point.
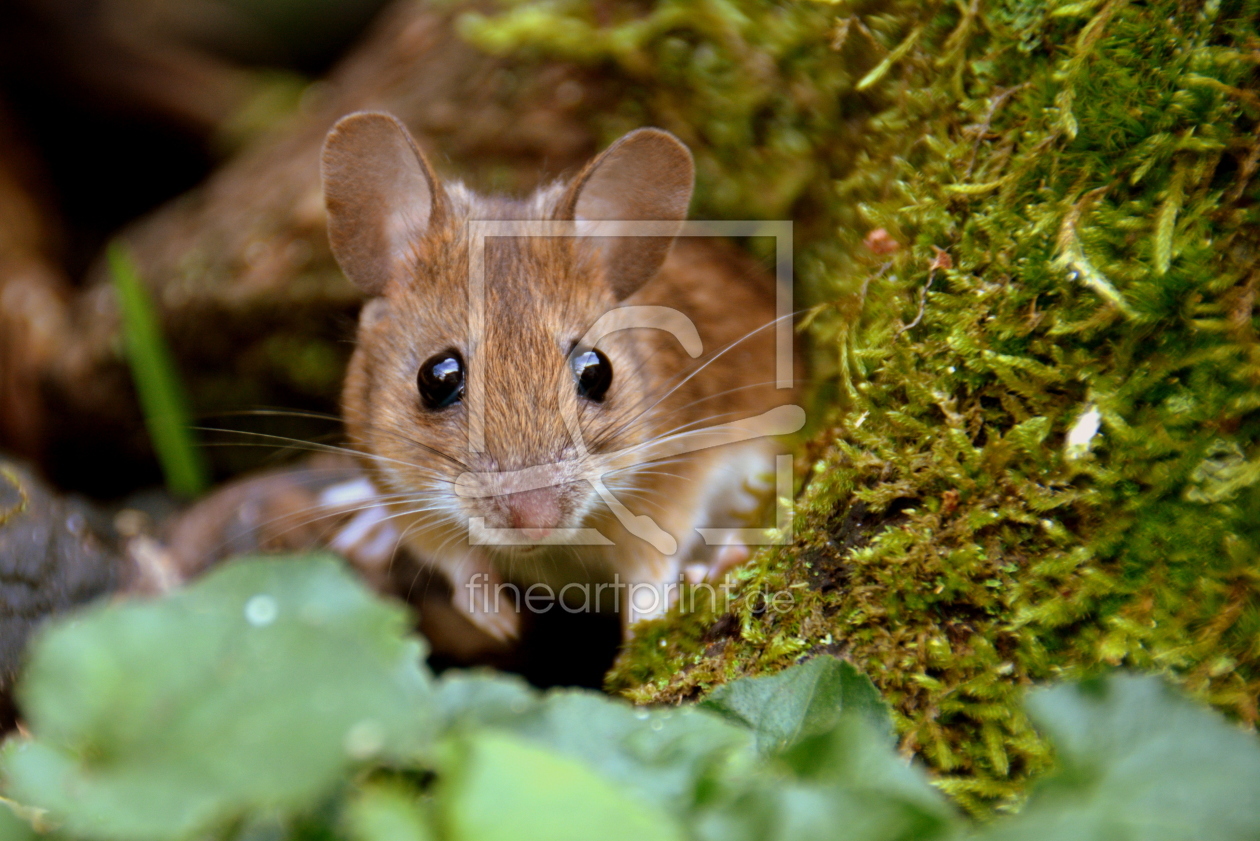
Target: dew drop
(365, 739)
(261, 610)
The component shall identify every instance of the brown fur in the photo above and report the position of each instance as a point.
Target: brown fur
(542, 294)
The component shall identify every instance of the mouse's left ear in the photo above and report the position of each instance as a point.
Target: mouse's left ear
(647, 175)
(381, 195)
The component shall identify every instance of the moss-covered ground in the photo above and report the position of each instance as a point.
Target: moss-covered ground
(1027, 252)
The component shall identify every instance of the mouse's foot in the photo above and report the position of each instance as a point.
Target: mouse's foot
(504, 624)
(725, 559)
(479, 595)
(650, 595)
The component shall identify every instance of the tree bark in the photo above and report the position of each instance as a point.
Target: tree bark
(240, 269)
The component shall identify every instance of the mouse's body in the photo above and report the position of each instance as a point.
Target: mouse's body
(467, 430)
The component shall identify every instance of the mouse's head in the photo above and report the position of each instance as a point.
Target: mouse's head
(465, 420)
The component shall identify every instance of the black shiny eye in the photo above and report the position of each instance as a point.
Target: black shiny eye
(441, 380)
(594, 374)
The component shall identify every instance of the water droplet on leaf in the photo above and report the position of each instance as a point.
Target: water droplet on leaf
(261, 610)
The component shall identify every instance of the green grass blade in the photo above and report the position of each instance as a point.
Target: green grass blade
(157, 381)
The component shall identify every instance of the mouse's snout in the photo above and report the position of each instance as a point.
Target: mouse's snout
(536, 500)
(536, 512)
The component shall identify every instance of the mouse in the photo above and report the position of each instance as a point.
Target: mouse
(559, 401)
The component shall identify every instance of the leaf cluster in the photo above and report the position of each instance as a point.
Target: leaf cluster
(278, 699)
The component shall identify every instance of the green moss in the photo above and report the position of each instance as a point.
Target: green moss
(1069, 231)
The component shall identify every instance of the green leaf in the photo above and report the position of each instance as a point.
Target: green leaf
(846, 784)
(499, 787)
(1138, 761)
(873, 787)
(665, 756)
(387, 813)
(13, 828)
(828, 729)
(1030, 434)
(804, 700)
(1166, 220)
(793, 811)
(256, 688)
(481, 697)
(157, 380)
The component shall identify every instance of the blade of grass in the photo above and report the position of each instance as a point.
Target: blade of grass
(157, 381)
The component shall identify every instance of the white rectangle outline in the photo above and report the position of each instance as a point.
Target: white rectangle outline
(780, 229)
(480, 229)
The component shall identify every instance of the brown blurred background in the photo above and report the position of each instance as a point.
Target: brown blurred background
(190, 130)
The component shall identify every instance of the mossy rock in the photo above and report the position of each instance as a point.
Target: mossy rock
(1028, 251)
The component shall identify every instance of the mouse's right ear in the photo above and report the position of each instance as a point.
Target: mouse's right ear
(647, 175)
(381, 197)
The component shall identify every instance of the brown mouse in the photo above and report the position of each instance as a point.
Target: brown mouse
(518, 452)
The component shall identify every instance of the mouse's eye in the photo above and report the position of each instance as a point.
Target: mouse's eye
(441, 380)
(594, 374)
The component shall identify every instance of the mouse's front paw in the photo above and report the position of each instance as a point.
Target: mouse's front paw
(501, 621)
(480, 596)
(724, 560)
(479, 601)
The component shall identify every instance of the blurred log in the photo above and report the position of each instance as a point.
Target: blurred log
(323, 504)
(240, 268)
(55, 554)
(59, 61)
(33, 295)
(119, 57)
(58, 553)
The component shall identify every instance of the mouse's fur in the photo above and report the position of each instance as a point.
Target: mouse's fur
(399, 233)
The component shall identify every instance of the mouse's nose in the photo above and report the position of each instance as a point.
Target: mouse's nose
(535, 512)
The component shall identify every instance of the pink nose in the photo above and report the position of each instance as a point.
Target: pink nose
(534, 512)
